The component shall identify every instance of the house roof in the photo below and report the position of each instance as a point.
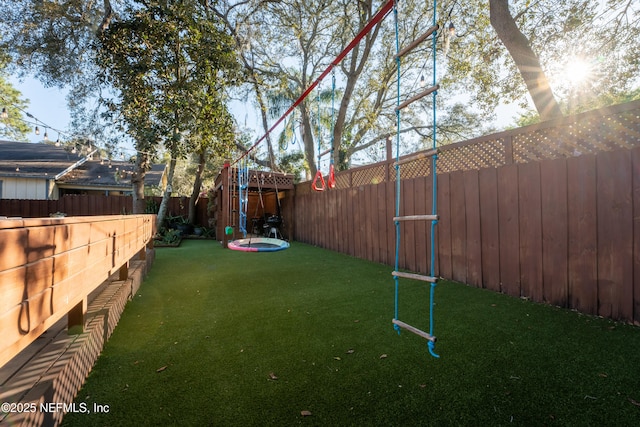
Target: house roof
(108, 174)
(28, 160)
(38, 160)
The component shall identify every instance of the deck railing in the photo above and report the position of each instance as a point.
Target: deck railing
(48, 267)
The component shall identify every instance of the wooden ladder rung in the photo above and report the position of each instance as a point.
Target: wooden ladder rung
(417, 41)
(414, 276)
(418, 156)
(417, 97)
(327, 151)
(415, 330)
(416, 218)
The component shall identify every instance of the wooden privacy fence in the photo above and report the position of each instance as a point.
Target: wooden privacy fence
(82, 205)
(48, 267)
(550, 212)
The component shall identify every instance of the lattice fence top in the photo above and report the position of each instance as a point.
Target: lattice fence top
(265, 180)
(605, 129)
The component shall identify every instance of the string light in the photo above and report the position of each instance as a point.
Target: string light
(37, 123)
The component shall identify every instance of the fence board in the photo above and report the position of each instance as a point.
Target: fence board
(359, 209)
(489, 228)
(615, 244)
(381, 209)
(351, 192)
(428, 209)
(509, 229)
(422, 227)
(369, 218)
(408, 228)
(473, 237)
(582, 277)
(339, 230)
(635, 158)
(445, 268)
(458, 227)
(529, 207)
(345, 234)
(553, 175)
(391, 232)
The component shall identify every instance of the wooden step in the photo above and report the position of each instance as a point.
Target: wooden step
(414, 276)
(417, 41)
(415, 330)
(416, 218)
(417, 97)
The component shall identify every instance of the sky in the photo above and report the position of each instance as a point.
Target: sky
(48, 105)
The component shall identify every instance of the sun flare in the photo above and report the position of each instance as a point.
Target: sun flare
(577, 71)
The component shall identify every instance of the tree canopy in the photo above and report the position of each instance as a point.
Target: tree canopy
(502, 52)
(170, 63)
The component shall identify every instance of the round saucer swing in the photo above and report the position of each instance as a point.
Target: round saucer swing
(258, 244)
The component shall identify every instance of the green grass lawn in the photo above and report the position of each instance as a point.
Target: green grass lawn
(217, 337)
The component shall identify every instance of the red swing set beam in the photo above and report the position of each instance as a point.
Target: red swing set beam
(379, 16)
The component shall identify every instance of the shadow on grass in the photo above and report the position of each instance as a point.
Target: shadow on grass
(218, 337)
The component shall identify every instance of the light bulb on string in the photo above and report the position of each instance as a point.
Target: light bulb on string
(5, 114)
(452, 30)
(422, 82)
(37, 131)
(46, 135)
(58, 141)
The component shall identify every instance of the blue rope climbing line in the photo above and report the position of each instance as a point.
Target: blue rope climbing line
(397, 167)
(243, 195)
(434, 196)
(431, 344)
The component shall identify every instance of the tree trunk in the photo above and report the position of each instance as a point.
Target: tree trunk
(137, 183)
(526, 60)
(162, 211)
(197, 186)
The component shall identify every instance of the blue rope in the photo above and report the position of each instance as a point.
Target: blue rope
(243, 193)
(434, 210)
(397, 167)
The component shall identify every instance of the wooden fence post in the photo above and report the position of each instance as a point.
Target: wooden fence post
(76, 316)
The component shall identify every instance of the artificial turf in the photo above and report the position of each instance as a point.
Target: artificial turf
(304, 336)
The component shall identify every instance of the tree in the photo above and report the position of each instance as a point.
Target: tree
(52, 39)
(13, 126)
(170, 63)
(603, 35)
